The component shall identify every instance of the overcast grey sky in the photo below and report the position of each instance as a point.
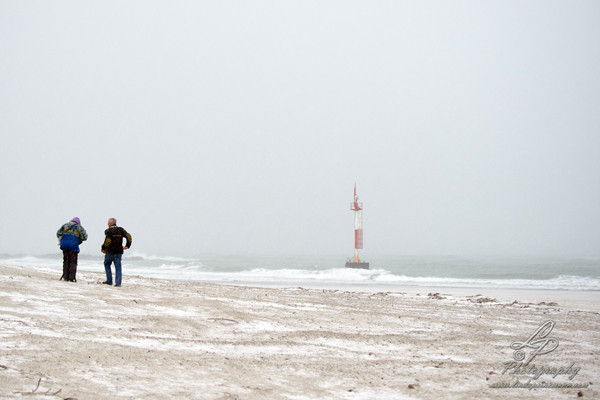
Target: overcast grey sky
(470, 127)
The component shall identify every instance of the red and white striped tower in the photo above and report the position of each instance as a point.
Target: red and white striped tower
(357, 207)
(358, 231)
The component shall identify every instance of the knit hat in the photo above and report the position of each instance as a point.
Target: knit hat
(76, 220)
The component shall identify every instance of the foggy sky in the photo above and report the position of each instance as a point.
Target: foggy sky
(470, 128)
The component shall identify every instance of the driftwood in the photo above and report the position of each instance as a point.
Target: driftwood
(46, 393)
(224, 319)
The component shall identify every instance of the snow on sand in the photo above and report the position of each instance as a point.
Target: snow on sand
(157, 339)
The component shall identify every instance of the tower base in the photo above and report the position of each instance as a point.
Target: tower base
(361, 265)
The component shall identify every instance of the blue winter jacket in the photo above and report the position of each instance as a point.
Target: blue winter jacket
(71, 235)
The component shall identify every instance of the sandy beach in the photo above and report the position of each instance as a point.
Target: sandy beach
(157, 339)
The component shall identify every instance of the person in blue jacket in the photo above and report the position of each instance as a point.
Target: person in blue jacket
(71, 235)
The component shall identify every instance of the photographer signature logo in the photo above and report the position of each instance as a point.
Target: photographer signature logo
(525, 352)
(538, 341)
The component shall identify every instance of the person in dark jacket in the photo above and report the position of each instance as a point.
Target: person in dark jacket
(113, 250)
(71, 235)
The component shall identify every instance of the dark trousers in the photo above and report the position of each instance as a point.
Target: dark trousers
(69, 265)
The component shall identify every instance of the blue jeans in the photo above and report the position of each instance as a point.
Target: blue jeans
(108, 260)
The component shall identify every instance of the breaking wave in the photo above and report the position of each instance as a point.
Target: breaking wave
(294, 271)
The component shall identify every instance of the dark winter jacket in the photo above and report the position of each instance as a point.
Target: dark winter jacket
(71, 235)
(113, 244)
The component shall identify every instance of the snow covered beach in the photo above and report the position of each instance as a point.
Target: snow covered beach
(158, 339)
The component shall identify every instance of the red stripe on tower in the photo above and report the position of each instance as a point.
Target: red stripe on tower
(358, 238)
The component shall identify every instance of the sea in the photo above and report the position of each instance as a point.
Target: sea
(569, 274)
